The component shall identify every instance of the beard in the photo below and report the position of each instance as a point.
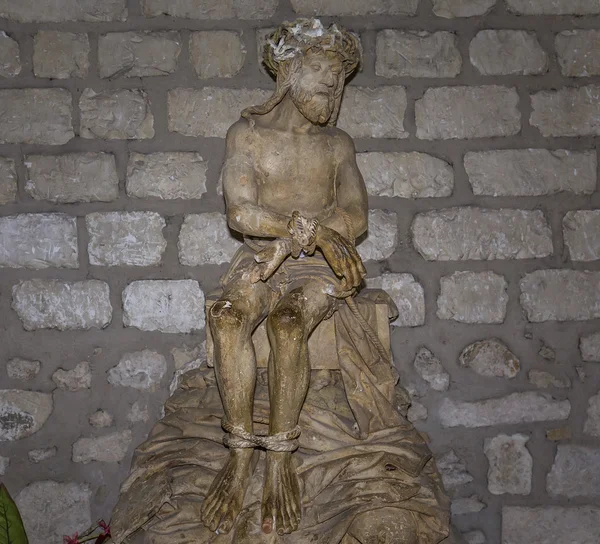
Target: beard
(316, 106)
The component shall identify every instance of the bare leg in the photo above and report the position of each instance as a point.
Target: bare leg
(289, 326)
(232, 320)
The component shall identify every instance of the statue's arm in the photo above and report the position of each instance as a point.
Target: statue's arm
(240, 189)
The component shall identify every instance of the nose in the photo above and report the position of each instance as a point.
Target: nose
(329, 78)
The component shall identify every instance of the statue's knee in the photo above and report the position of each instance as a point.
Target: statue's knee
(285, 320)
(226, 316)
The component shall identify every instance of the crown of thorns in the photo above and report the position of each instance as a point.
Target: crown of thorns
(295, 39)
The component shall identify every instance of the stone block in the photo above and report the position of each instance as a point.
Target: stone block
(510, 464)
(561, 295)
(93, 11)
(60, 55)
(37, 456)
(490, 357)
(570, 111)
(453, 470)
(407, 294)
(211, 9)
(406, 175)
(125, 238)
(382, 236)
(581, 232)
(355, 7)
(138, 54)
(206, 239)
(166, 175)
(38, 240)
(507, 52)
(592, 422)
(473, 297)
(449, 9)
(590, 347)
(373, 112)
(417, 412)
(417, 54)
(22, 369)
(10, 61)
(101, 419)
(36, 116)
(474, 537)
(23, 413)
(8, 181)
(466, 505)
(574, 472)
(429, 367)
(54, 304)
(74, 380)
(531, 172)
(526, 407)
(578, 52)
(467, 112)
(470, 233)
(209, 111)
(110, 448)
(141, 370)
(72, 177)
(561, 433)
(121, 114)
(217, 53)
(543, 379)
(173, 306)
(138, 413)
(553, 7)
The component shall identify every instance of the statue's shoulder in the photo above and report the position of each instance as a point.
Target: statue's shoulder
(342, 141)
(239, 132)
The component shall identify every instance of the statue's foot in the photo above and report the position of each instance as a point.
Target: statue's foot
(281, 506)
(225, 497)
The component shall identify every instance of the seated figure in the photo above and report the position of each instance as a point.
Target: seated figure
(321, 455)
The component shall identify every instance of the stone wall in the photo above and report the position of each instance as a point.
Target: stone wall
(476, 124)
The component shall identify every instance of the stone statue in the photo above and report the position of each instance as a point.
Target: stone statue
(293, 190)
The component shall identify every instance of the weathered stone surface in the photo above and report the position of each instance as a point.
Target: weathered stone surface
(574, 472)
(523, 407)
(206, 239)
(140, 370)
(417, 54)
(36, 116)
(10, 61)
(452, 470)
(166, 175)
(505, 52)
(23, 413)
(74, 380)
(32, 11)
(109, 448)
(592, 423)
(164, 305)
(431, 370)
(37, 456)
(373, 113)
(581, 231)
(467, 505)
(72, 177)
(550, 524)
(417, 412)
(578, 52)
(38, 240)
(51, 510)
(22, 369)
(125, 238)
(60, 55)
(467, 112)
(186, 358)
(473, 297)
(138, 413)
(570, 111)
(543, 379)
(382, 236)
(590, 347)
(209, 111)
(462, 8)
(8, 181)
(510, 464)
(561, 295)
(553, 7)
(474, 537)
(54, 304)
(120, 114)
(217, 53)
(531, 172)
(546, 352)
(138, 54)
(471, 233)
(101, 419)
(406, 175)
(490, 357)
(211, 9)
(4, 464)
(354, 7)
(581, 373)
(407, 293)
(561, 433)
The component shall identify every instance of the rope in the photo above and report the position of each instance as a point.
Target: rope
(239, 438)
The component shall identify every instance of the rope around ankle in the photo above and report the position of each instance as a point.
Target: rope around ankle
(237, 437)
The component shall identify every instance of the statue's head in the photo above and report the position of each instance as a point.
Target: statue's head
(311, 63)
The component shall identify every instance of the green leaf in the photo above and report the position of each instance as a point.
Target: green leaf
(11, 524)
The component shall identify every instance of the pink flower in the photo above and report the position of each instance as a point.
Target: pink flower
(71, 539)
